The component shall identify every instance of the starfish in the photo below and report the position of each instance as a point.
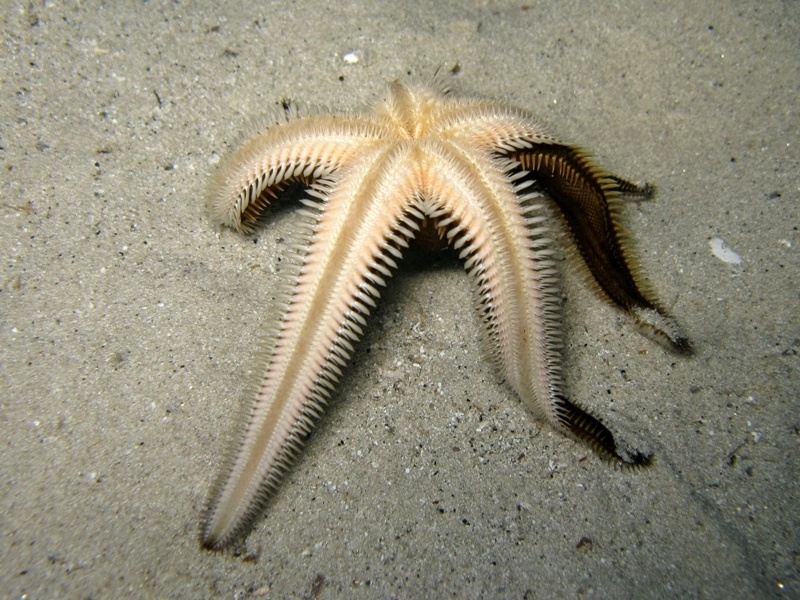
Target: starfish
(471, 175)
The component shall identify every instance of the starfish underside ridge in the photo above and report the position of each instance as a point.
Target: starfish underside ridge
(475, 171)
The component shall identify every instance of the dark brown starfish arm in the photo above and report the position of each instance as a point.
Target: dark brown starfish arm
(592, 432)
(590, 201)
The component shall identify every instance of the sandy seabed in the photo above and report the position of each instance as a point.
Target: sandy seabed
(129, 323)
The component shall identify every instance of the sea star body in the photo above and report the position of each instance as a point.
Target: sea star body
(473, 171)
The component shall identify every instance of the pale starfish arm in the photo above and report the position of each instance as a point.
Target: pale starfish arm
(516, 294)
(492, 127)
(289, 149)
(356, 232)
(509, 261)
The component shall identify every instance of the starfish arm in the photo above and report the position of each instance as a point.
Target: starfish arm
(516, 295)
(590, 201)
(356, 228)
(509, 262)
(496, 128)
(289, 149)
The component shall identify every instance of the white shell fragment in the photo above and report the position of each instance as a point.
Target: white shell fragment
(725, 253)
(352, 58)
